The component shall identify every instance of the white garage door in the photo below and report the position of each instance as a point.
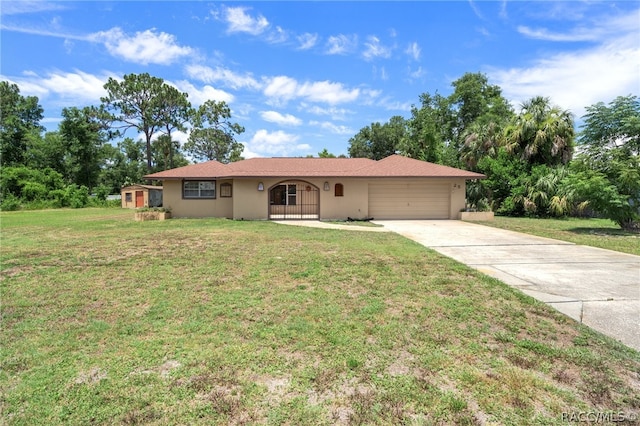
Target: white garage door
(409, 200)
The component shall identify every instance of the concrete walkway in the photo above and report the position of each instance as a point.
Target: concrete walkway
(599, 288)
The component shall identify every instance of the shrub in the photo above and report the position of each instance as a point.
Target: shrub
(10, 203)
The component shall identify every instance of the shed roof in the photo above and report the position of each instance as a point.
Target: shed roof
(392, 166)
(139, 185)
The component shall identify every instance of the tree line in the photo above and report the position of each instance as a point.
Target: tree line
(61, 168)
(535, 161)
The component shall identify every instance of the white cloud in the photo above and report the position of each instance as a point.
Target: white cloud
(416, 74)
(307, 41)
(218, 74)
(29, 6)
(241, 22)
(282, 89)
(341, 44)
(282, 119)
(278, 35)
(333, 128)
(374, 49)
(578, 34)
(413, 50)
(600, 29)
(577, 79)
(198, 96)
(333, 112)
(146, 47)
(64, 88)
(276, 143)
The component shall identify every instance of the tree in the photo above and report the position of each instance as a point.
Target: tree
(427, 129)
(378, 141)
(212, 137)
(481, 140)
(616, 126)
(165, 154)
(326, 154)
(83, 135)
(19, 119)
(175, 112)
(137, 102)
(541, 133)
(125, 164)
(607, 172)
(474, 100)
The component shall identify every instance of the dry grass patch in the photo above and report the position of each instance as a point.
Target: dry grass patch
(106, 320)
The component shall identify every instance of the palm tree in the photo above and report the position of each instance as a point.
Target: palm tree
(480, 140)
(541, 133)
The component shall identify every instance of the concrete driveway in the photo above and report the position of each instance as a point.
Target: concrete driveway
(600, 288)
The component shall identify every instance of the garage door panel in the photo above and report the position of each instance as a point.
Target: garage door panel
(409, 200)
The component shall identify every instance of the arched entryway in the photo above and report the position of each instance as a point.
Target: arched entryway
(294, 199)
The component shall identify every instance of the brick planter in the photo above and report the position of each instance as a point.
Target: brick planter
(144, 216)
(476, 216)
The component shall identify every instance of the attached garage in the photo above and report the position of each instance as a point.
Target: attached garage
(409, 200)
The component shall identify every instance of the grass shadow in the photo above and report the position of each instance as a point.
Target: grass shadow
(609, 232)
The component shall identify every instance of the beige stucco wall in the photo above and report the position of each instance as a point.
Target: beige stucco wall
(254, 204)
(458, 197)
(218, 207)
(353, 204)
(250, 204)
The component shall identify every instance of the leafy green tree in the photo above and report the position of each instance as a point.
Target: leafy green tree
(175, 112)
(504, 186)
(475, 101)
(84, 135)
(46, 152)
(213, 135)
(137, 102)
(607, 172)
(166, 154)
(612, 127)
(378, 141)
(443, 129)
(541, 133)
(617, 199)
(326, 154)
(19, 121)
(427, 129)
(125, 164)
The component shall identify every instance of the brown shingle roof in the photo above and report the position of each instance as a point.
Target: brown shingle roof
(392, 166)
(399, 166)
(208, 169)
(298, 167)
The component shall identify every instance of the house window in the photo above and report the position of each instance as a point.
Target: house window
(225, 189)
(199, 189)
(339, 191)
(128, 197)
(284, 195)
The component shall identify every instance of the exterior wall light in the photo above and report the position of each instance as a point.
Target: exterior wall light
(326, 186)
(260, 186)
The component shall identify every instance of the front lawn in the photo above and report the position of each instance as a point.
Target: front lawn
(601, 233)
(208, 321)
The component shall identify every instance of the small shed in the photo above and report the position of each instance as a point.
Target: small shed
(138, 196)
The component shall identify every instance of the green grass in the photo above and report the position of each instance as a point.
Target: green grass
(601, 233)
(208, 321)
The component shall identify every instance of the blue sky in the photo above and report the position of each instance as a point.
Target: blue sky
(304, 76)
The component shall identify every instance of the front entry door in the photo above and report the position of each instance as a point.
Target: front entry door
(139, 199)
(294, 200)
